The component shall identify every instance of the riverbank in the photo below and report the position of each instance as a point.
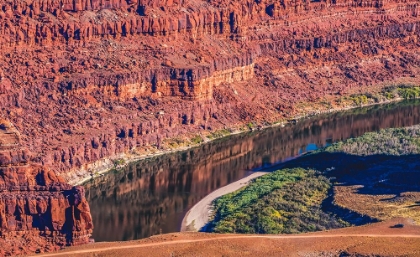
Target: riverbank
(360, 180)
(198, 216)
(168, 186)
(98, 168)
(107, 165)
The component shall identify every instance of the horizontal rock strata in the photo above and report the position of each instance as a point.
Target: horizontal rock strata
(86, 82)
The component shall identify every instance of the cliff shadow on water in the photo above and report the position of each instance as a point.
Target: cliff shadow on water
(370, 188)
(152, 196)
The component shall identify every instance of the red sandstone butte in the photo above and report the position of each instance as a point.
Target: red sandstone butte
(38, 210)
(88, 81)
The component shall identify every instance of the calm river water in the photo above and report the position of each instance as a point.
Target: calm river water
(152, 196)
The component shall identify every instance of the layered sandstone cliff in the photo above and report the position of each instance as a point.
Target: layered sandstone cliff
(96, 79)
(88, 81)
(38, 210)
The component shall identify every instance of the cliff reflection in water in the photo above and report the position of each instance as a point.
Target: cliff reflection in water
(152, 196)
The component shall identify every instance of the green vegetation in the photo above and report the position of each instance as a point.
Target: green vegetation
(294, 200)
(118, 163)
(197, 140)
(406, 91)
(174, 142)
(285, 201)
(395, 141)
(389, 95)
(359, 99)
(409, 92)
(219, 134)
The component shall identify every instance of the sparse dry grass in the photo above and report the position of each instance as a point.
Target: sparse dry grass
(381, 206)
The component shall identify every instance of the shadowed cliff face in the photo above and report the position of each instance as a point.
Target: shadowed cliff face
(153, 195)
(38, 210)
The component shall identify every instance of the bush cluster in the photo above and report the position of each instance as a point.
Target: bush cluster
(285, 201)
(393, 141)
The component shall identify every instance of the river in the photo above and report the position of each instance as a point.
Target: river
(153, 195)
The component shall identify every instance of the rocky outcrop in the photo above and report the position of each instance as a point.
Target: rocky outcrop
(38, 210)
(187, 83)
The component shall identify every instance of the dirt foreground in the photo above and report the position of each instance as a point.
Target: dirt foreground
(377, 239)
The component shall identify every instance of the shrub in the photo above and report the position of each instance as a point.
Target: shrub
(219, 134)
(360, 99)
(409, 92)
(389, 95)
(174, 142)
(197, 140)
(118, 162)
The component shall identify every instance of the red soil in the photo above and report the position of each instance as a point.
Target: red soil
(372, 240)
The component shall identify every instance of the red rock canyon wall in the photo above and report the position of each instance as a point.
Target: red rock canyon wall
(38, 210)
(87, 81)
